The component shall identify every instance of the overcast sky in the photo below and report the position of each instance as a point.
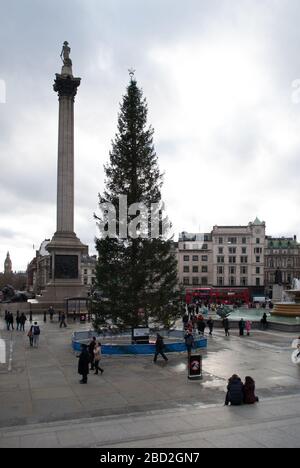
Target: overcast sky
(217, 76)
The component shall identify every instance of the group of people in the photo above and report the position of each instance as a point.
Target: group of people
(197, 322)
(239, 393)
(89, 360)
(20, 321)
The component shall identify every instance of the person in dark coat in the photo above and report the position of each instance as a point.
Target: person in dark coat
(249, 392)
(23, 320)
(226, 326)
(210, 324)
(242, 326)
(84, 364)
(264, 321)
(159, 348)
(201, 326)
(63, 320)
(18, 320)
(235, 391)
(92, 346)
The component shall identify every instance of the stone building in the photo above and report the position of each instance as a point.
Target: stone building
(8, 265)
(194, 253)
(238, 256)
(39, 270)
(282, 254)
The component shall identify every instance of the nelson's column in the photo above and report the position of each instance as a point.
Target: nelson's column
(65, 248)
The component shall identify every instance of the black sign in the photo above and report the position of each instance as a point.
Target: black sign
(195, 367)
(66, 267)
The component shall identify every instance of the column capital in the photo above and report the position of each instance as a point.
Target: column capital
(66, 86)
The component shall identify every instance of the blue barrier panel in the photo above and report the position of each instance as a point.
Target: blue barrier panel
(141, 349)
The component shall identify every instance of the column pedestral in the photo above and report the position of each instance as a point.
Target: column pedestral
(65, 248)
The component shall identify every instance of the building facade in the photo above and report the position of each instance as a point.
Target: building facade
(39, 270)
(194, 254)
(238, 256)
(281, 255)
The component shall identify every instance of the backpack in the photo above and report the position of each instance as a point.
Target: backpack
(36, 330)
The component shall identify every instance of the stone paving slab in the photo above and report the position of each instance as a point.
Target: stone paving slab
(42, 385)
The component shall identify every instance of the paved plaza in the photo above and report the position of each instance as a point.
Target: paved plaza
(137, 403)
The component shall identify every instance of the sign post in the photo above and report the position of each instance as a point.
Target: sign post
(195, 367)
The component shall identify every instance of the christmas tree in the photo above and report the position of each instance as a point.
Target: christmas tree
(137, 266)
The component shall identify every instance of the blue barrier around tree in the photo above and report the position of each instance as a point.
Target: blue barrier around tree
(143, 349)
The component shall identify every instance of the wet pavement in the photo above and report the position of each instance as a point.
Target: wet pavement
(42, 385)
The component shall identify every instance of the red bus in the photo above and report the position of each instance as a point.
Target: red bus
(229, 296)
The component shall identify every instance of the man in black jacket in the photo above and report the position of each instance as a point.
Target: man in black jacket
(159, 348)
(84, 364)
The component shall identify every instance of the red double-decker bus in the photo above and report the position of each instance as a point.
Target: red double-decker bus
(229, 296)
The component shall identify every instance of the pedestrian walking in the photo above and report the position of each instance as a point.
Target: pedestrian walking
(51, 313)
(97, 359)
(226, 326)
(242, 327)
(248, 327)
(23, 320)
(159, 348)
(201, 325)
(83, 364)
(45, 316)
(10, 321)
(91, 349)
(189, 342)
(18, 320)
(36, 335)
(30, 336)
(6, 318)
(210, 324)
(63, 320)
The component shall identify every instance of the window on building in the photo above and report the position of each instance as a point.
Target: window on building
(85, 281)
(220, 259)
(220, 281)
(220, 270)
(186, 258)
(206, 238)
(244, 270)
(195, 269)
(258, 270)
(232, 250)
(195, 281)
(244, 250)
(232, 270)
(221, 240)
(257, 259)
(257, 281)
(244, 281)
(244, 240)
(232, 281)
(244, 259)
(186, 280)
(232, 259)
(85, 271)
(186, 269)
(195, 258)
(204, 269)
(204, 258)
(204, 281)
(221, 250)
(257, 240)
(205, 247)
(232, 240)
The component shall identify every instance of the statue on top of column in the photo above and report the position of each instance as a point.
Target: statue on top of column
(65, 56)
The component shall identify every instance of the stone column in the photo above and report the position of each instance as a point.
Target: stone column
(66, 86)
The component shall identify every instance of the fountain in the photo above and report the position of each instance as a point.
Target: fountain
(290, 307)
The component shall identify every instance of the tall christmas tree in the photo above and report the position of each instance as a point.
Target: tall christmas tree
(137, 266)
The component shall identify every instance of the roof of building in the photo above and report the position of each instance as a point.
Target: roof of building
(282, 242)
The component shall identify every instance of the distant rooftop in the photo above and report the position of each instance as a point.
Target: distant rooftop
(194, 237)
